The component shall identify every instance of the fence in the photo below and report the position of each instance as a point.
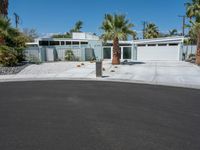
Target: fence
(32, 54)
(189, 49)
(78, 53)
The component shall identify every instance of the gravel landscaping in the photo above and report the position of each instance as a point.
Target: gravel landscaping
(12, 70)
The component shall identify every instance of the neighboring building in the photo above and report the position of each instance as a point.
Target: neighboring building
(86, 47)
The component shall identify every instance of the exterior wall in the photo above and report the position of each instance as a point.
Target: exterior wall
(98, 49)
(134, 48)
(33, 53)
(59, 52)
(94, 48)
(84, 36)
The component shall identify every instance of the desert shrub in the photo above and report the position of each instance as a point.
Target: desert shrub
(33, 59)
(7, 56)
(12, 42)
(69, 55)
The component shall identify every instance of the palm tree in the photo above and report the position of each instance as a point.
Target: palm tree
(173, 32)
(4, 8)
(193, 12)
(4, 29)
(78, 26)
(116, 27)
(151, 31)
(195, 31)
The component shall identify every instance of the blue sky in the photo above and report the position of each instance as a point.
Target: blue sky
(50, 16)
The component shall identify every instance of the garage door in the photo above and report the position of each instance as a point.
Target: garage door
(158, 53)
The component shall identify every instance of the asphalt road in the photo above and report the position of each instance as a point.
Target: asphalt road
(78, 115)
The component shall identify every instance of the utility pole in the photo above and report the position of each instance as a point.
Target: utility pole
(144, 23)
(17, 18)
(183, 26)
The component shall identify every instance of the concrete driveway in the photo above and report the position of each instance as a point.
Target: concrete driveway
(166, 73)
(163, 73)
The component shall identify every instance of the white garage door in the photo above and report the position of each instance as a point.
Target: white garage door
(158, 53)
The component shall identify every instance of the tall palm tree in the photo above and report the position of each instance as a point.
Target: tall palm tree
(193, 12)
(4, 8)
(115, 28)
(151, 31)
(195, 31)
(78, 26)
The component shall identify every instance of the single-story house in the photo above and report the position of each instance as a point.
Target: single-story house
(86, 46)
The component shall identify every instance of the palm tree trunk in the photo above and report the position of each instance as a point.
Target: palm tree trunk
(2, 41)
(116, 52)
(198, 51)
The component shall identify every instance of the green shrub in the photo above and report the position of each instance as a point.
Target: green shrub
(7, 56)
(69, 55)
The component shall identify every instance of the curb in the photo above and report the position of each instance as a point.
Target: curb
(178, 85)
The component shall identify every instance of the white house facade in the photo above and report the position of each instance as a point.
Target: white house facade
(87, 46)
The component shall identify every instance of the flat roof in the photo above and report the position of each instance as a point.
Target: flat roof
(177, 39)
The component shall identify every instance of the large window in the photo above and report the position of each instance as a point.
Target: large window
(127, 53)
(107, 53)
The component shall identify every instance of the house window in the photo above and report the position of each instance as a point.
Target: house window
(127, 53)
(43, 43)
(84, 43)
(173, 44)
(68, 42)
(75, 43)
(54, 43)
(107, 53)
(62, 43)
(151, 44)
(141, 45)
(162, 44)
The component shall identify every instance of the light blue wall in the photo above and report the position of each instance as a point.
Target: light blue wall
(79, 50)
(98, 48)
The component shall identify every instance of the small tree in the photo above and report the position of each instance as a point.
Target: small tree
(69, 55)
(31, 34)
